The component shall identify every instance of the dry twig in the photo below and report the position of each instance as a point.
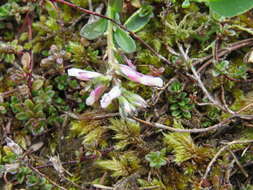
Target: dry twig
(220, 152)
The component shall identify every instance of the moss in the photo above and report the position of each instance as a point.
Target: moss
(40, 104)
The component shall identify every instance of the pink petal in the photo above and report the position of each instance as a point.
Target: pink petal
(95, 94)
(111, 95)
(135, 76)
(83, 74)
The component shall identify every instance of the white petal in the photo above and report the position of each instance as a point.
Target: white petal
(74, 72)
(108, 97)
(90, 100)
(83, 74)
(152, 81)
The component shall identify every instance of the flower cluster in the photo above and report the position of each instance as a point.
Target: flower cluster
(129, 102)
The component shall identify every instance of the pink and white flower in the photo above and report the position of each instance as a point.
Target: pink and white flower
(83, 74)
(95, 94)
(107, 98)
(135, 76)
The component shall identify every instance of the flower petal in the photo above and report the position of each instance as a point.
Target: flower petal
(111, 95)
(95, 95)
(151, 81)
(83, 74)
(135, 76)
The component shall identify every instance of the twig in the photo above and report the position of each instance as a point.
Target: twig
(116, 23)
(228, 171)
(202, 86)
(202, 130)
(44, 176)
(197, 77)
(238, 80)
(222, 52)
(150, 187)
(219, 153)
(236, 45)
(224, 101)
(82, 159)
(102, 187)
(239, 164)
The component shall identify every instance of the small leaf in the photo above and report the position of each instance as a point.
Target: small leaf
(29, 104)
(139, 19)
(174, 107)
(50, 7)
(26, 61)
(116, 5)
(176, 113)
(5, 11)
(94, 30)
(176, 86)
(187, 115)
(186, 4)
(156, 159)
(22, 116)
(124, 41)
(37, 84)
(230, 8)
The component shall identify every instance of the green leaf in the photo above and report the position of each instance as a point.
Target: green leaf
(37, 84)
(50, 7)
(139, 19)
(174, 107)
(187, 115)
(176, 86)
(124, 41)
(186, 4)
(22, 116)
(116, 5)
(176, 113)
(230, 8)
(156, 159)
(94, 30)
(5, 11)
(29, 104)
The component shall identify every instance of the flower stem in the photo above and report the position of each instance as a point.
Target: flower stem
(110, 46)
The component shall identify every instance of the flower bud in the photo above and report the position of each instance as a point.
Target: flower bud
(135, 99)
(95, 95)
(125, 107)
(83, 74)
(111, 95)
(135, 76)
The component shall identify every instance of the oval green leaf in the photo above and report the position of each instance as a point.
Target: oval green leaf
(124, 41)
(139, 19)
(22, 116)
(94, 30)
(230, 8)
(116, 5)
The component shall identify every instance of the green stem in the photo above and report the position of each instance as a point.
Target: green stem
(110, 46)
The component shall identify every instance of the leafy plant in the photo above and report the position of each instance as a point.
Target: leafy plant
(122, 39)
(156, 159)
(221, 68)
(127, 133)
(126, 164)
(180, 104)
(183, 146)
